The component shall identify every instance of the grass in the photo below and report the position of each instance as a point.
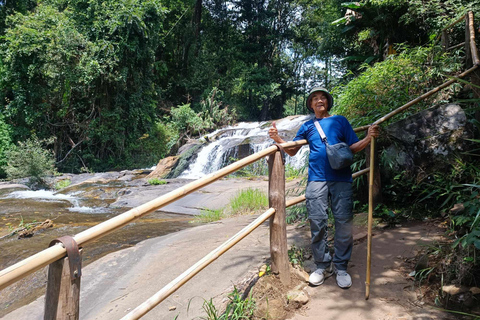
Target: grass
(237, 308)
(209, 216)
(249, 201)
(245, 202)
(156, 181)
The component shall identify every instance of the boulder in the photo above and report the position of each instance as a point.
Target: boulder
(184, 159)
(426, 140)
(163, 168)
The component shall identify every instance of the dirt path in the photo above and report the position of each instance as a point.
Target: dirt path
(393, 295)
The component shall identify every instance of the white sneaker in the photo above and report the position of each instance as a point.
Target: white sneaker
(319, 276)
(344, 280)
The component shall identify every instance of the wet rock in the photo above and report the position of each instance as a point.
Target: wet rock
(6, 185)
(184, 160)
(163, 168)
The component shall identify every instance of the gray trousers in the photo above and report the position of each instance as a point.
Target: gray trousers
(340, 194)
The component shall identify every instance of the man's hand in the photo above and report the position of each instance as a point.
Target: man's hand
(373, 131)
(273, 133)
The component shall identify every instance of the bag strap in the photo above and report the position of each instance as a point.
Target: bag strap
(320, 131)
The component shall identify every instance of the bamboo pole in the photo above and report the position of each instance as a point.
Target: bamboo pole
(174, 285)
(473, 46)
(370, 217)
(47, 256)
(454, 23)
(456, 46)
(423, 96)
(449, 26)
(359, 129)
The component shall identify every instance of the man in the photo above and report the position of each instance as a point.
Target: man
(325, 183)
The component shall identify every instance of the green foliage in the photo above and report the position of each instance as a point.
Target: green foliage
(296, 213)
(5, 144)
(249, 201)
(237, 308)
(188, 123)
(62, 184)
(433, 15)
(151, 146)
(84, 72)
(292, 173)
(391, 83)
(296, 256)
(156, 181)
(30, 159)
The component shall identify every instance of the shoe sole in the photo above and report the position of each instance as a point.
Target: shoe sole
(344, 288)
(325, 276)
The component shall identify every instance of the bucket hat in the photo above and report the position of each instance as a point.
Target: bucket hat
(319, 89)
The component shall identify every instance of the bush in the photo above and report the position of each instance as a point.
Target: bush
(30, 159)
(151, 146)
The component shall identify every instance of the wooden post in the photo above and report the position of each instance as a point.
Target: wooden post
(278, 225)
(62, 300)
(445, 40)
(370, 219)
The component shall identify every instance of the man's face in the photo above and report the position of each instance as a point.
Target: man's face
(319, 101)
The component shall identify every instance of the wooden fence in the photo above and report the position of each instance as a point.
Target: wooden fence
(64, 255)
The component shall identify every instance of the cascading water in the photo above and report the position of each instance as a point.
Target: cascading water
(50, 196)
(240, 140)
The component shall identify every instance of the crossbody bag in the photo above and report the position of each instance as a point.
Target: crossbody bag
(339, 155)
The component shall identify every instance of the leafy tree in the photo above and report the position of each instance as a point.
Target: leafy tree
(83, 71)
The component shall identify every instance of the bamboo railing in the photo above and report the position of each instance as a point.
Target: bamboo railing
(63, 280)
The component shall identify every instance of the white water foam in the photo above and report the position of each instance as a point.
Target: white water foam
(214, 155)
(40, 195)
(88, 210)
(46, 195)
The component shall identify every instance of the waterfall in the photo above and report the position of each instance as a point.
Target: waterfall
(241, 140)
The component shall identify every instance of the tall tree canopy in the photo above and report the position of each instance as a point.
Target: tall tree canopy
(102, 76)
